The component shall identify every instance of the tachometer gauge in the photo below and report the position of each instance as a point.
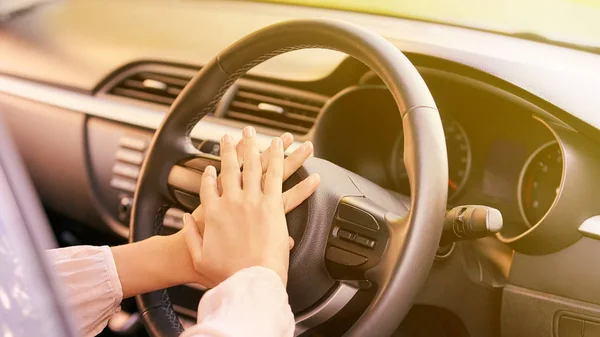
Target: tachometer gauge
(539, 182)
(459, 159)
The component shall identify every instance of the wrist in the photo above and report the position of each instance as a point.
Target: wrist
(156, 263)
(279, 267)
(179, 266)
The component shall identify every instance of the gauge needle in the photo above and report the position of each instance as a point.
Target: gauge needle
(452, 184)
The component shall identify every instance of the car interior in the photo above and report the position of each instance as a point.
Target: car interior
(458, 163)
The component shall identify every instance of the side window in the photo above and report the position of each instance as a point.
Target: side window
(28, 306)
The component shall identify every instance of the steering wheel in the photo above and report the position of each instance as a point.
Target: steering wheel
(352, 236)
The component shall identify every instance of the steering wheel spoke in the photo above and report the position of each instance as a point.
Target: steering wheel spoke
(184, 179)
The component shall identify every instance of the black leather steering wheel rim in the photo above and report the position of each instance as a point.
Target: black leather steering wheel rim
(413, 239)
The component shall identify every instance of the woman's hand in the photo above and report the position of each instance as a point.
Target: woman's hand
(292, 197)
(245, 225)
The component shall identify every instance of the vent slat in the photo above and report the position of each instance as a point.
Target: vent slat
(170, 80)
(144, 96)
(298, 120)
(301, 117)
(277, 101)
(174, 91)
(282, 109)
(151, 87)
(134, 84)
(280, 119)
(244, 105)
(244, 117)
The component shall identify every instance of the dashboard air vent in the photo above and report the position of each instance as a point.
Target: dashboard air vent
(249, 101)
(274, 106)
(151, 87)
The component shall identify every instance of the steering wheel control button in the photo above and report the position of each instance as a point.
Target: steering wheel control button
(357, 216)
(342, 234)
(344, 257)
(365, 242)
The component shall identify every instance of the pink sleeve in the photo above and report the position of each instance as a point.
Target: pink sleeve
(91, 285)
(252, 302)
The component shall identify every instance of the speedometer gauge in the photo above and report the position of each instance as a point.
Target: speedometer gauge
(539, 182)
(459, 159)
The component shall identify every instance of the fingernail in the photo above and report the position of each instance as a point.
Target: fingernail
(277, 142)
(186, 218)
(315, 177)
(211, 171)
(287, 135)
(249, 131)
(306, 146)
(226, 139)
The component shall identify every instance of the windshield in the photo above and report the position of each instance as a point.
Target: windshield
(573, 22)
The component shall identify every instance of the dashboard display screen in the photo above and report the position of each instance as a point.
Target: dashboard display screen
(502, 170)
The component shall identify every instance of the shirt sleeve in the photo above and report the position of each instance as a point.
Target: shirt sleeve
(91, 285)
(252, 302)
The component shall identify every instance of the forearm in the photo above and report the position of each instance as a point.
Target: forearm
(153, 264)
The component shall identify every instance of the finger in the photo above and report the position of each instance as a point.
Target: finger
(230, 168)
(219, 185)
(198, 215)
(193, 239)
(287, 140)
(208, 187)
(291, 243)
(239, 149)
(274, 175)
(296, 159)
(297, 194)
(252, 171)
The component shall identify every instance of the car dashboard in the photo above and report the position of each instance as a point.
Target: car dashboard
(521, 132)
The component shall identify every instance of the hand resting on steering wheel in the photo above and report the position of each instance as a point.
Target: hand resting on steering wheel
(244, 221)
(291, 198)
